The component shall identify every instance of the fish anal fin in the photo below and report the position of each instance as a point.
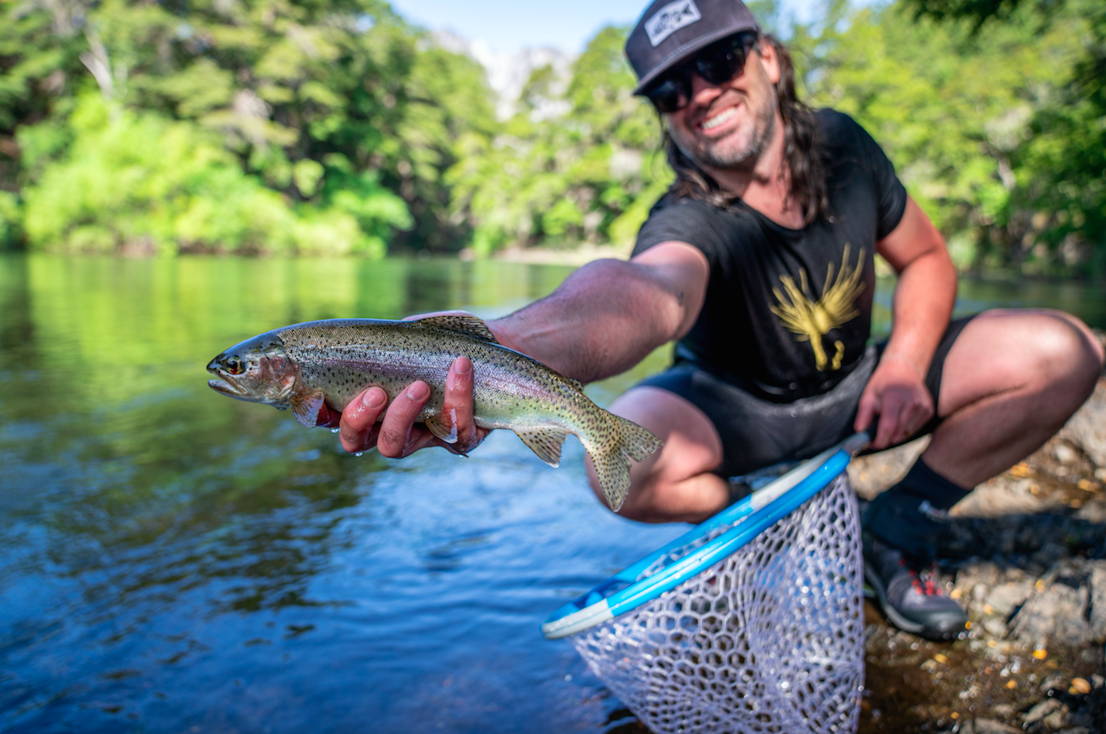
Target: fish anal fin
(462, 323)
(306, 407)
(545, 442)
(441, 428)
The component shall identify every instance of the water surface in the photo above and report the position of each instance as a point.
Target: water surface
(171, 560)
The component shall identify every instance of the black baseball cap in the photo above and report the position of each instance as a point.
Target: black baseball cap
(670, 31)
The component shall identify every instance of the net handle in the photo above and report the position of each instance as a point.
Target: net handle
(750, 516)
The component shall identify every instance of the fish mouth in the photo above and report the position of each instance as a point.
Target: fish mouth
(227, 386)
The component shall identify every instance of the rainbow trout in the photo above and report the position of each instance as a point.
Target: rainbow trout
(303, 366)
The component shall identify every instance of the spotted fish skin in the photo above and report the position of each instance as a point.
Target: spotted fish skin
(306, 365)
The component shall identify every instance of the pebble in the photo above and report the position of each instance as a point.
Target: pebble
(994, 627)
(1064, 454)
(1079, 687)
(1041, 710)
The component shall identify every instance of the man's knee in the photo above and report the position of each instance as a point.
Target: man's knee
(1039, 347)
(1065, 352)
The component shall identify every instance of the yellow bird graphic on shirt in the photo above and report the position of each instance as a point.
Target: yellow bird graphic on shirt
(812, 319)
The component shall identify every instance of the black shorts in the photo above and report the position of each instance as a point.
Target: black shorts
(757, 433)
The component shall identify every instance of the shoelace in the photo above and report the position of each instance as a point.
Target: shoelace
(922, 581)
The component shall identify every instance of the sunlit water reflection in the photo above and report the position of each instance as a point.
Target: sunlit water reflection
(173, 560)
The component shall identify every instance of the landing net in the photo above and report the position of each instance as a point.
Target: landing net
(750, 622)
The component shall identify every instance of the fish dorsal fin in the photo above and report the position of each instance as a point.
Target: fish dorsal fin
(462, 323)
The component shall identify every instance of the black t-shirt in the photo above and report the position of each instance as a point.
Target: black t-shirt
(788, 312)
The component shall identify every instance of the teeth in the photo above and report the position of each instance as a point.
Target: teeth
(718, 119)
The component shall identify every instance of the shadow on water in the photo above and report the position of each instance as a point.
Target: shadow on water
(173, 560)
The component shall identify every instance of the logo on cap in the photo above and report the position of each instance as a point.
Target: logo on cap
(671, 18)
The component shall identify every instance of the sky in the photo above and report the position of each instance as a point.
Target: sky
(509, 25)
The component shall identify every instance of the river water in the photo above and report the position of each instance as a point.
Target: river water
(171, 560)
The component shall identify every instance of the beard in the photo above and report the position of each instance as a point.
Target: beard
(729, 152)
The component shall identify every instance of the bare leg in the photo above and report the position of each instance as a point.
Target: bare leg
(676, 483)
(1010, 381)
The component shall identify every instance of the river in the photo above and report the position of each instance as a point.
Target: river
(174, 561)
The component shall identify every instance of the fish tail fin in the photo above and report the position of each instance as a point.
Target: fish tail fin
(620, 443)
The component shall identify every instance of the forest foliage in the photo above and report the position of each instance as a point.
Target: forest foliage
(337, 127)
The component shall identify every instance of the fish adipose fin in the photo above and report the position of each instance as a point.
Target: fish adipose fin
(462, 323)
(545, 442)
(306, 407)
(611, 458)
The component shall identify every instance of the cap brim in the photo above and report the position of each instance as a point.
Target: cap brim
(683, 52)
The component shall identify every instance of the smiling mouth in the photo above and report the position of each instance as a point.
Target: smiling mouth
(720, 119)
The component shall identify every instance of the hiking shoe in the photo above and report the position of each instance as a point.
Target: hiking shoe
(909, 593)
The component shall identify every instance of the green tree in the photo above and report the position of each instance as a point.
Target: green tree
(1060, 188)
(954, 109)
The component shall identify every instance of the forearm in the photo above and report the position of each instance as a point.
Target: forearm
(923, 303)
(605, 318)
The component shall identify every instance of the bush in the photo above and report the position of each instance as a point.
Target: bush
(135, 181)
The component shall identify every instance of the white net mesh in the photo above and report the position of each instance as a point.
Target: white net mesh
(770, 639)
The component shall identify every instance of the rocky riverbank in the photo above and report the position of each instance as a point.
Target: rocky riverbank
(1026, 555)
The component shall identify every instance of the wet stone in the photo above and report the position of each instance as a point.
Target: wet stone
(985, 726)
(1041, 710)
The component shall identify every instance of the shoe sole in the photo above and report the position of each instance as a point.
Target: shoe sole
(906, 625)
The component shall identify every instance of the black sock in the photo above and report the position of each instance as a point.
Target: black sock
(923, 482)
(896, 516)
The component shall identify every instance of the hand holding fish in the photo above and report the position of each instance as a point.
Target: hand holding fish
(370, 421)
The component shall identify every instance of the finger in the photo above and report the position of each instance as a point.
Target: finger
(399, 418)
(915, 419)
(359, 419)
(865, 412)
(890, 421)
(458, 404)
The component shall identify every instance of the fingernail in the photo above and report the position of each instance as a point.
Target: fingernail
(373, 398)
(417, 391)
(462, 367)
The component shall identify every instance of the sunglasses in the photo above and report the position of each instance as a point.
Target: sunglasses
(716, 64)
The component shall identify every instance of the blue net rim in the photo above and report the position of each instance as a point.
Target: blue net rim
(629, 589)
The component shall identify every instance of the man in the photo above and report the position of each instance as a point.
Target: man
(759, 262)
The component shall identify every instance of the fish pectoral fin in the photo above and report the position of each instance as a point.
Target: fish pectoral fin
(306, 407)
(545, 442)
(462, 323)
(439, 427)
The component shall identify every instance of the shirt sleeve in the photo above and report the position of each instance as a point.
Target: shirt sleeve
(683, 220)
(889, 189)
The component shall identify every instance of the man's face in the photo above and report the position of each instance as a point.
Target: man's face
(728, 125)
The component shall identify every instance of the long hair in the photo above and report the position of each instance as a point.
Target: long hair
(806, 168)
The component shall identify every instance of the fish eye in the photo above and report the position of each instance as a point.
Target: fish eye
(234, 366)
